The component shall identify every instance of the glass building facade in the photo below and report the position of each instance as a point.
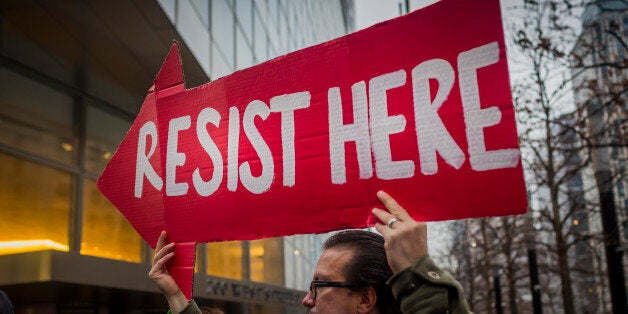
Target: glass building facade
(230, 35)
(600, 92)
(72, 77)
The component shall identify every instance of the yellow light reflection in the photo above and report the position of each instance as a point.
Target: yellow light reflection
(224, 259)
(95, 251)
(34, 206)
(257, 251)
(67, 147)
(266, 260)
(14, 247)
(106, 233)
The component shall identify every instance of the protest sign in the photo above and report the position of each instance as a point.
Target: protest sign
(418, 106)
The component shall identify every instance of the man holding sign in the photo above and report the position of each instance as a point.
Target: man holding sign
(361, 263)
(419, 106)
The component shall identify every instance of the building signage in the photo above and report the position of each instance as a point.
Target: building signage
(250, 292)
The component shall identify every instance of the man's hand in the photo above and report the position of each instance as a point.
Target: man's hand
(405, 239)
(160, 276)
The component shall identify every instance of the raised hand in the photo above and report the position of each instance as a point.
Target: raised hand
(405, 239)
(160, 276)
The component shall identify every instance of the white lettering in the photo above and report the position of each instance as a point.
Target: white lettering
(206, 188)
(383, 125)
(432, 136)
(232, 149)
(370, 130)
(262, 183)
(174, 158)
(340, 133)
(142, 164)
(476, 118)
(287, 104)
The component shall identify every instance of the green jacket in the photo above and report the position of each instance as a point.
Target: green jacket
(425, 288)
(192, 308)
(422, 288)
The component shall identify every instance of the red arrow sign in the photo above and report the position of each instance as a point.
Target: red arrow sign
(418, 106)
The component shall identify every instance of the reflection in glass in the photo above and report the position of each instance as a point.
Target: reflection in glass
(271, 52)
(34, 207)
(36, 118)
(202, 9)
(244, 54)
(222, 29)
(244, 14)
(282, 32)
(224, 259)
(106, 233)
(219, 65)
(104, 134)
(266, 259)
(260, 41)
(170, 7)
(273, 11)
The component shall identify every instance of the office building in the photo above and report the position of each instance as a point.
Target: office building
(599, 80)
(73, 75)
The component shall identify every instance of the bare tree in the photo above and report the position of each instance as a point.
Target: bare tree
(513, 251)
(556, 138)
(559, 54)
(462, 263)
(486, 248)
(474, 252)
(600, 73)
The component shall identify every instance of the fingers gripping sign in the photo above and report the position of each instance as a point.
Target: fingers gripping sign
(158, 273)
(405, 238)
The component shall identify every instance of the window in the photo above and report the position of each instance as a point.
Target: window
(224, 259)
(266, 260)
(220, 67)
(34, 207)
(244, 54)
(283, 34)
(104, 133)
(273, 11)
(169, 7)
(271, 52)
(106, 233)
(36, 118)
(260, 40)
(223, 30)
(202, 8)
(244, 12)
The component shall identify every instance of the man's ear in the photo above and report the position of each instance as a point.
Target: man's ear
(368, 300)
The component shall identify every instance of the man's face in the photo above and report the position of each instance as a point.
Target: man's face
(330, 267)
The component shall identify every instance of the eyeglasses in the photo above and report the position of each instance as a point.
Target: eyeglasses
(315, 284)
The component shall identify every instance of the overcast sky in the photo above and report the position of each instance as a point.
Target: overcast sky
(370, 12)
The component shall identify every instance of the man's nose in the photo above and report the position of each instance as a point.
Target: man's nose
(308, 301)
